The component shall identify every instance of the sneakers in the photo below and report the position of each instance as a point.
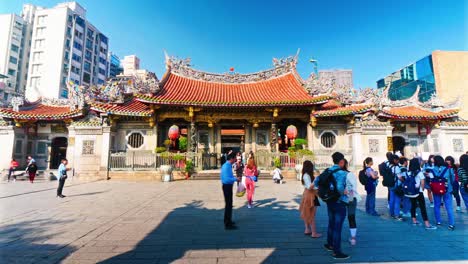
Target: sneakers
(375, 214)
(458, 209)
(340, 256)
(230, 227)
(352, 241)
(431, 227)
(451, 227)
(328, 247)
(432, 205)
(416, 223)
(398, 218)
(249, 206)
(439, 223)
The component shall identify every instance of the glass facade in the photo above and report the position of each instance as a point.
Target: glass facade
(403, 83)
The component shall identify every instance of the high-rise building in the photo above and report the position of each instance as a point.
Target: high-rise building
(15, 39)
(115, 67)
(442, 72)
(65, 47)
(341, 77)
(131, 64)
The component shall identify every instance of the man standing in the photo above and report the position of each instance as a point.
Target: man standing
(228, 179)
(336, 208)
(62, 171)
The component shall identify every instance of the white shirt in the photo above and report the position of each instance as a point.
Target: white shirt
(418, 180)
(277, 174)
(307, 181)
(351, 187)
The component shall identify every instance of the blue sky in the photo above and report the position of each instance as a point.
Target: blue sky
(374, 38)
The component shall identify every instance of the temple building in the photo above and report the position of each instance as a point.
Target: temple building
(139, 123)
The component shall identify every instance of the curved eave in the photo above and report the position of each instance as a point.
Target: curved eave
(18, 116)
(343, 111)
(122, 113)
(448, 114)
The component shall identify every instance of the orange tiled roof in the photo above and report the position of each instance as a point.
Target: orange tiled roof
(129, 108)
(344, 110)
(284, 90)
(416, 113)
(40, 112)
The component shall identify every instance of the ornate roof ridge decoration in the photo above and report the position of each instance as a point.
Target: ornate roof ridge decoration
(184, 68)
(115, 89)
(55, 101)
(91, 119)
(16, 102)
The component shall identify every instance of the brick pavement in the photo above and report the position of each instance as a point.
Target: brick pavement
(181, 222)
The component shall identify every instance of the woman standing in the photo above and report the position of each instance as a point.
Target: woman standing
(414, 171)
(463, 177)
(371, 186)
(250, 173)
(442, 172)
(456, 186)
(353, 198)
(32, 170)
(310, 202)
(427, 168)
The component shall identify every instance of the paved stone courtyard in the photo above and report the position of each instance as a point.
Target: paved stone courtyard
(181, 222)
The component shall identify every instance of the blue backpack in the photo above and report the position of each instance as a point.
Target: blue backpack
(409, 185)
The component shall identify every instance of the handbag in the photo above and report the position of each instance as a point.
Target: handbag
(240, 190)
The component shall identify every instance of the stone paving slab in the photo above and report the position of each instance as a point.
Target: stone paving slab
(181, 222)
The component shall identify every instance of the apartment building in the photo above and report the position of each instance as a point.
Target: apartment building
(65, 47)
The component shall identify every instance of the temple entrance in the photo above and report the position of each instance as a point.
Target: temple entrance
(232, 138)
(399, 144)
(58, 151)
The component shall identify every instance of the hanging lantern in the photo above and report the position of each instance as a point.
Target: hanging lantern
(291, 132)
(173, 132)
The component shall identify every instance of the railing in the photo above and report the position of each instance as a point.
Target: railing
(146, 160)
(143, 160)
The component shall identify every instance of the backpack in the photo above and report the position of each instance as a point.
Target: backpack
(387, 173)
(327, 187)
(409, 186)
(363, 179)
(439, 183)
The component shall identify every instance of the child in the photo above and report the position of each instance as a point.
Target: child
(277, 177)
(371, 186)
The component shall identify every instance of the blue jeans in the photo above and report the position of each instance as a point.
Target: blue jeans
(456, 192)
(406, 204)
(370, 203)
(448, 206)
(394, 204)
(336, 217)
(464, 195)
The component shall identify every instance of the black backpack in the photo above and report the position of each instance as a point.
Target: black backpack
(327, 189)
(363, 177)
(387, 174)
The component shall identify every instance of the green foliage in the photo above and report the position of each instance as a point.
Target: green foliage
(167, 143)
(183, 142)
(300, 142)
(277, 162)
(304, 152)
(189, 168)
(165, 155)
(160, 149)
(178, 157)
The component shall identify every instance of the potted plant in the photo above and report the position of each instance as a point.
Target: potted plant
(189, 168)
(277, 162)
(180, 162)
(183, 143)
(300, 143)
(160, 149)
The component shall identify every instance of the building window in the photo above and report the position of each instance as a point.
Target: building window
(38, 43)
(328, 139)
(88, 147)
(19, 147)
(135, 140)
(41, 148)
(75, 69)
(76, 58)
(41, 20)
(77, 45)
(14, 48)
(29, 148)
(35, 81)
(11, 72)
(373, 145)
(36, 69)
(13, 60)
(37, 56)
(40, 31)
(457, 145)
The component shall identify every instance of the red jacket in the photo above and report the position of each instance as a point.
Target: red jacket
(14, 164)
(251, 172)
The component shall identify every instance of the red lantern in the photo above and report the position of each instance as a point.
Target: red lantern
(173, 132)
(231, 69)
(291, 132)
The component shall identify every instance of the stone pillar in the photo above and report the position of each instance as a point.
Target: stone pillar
(218, 139)
(310, 137)
(105, 148)
(193, 137)
(212, 139)
(155, 135)
(254, 139)
(71, 148)
(7, 137)
(273, 137)
(356, 143)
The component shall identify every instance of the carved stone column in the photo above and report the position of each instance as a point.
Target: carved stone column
(274, 137)
(193, 137)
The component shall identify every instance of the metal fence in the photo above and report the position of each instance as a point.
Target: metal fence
(146, 160)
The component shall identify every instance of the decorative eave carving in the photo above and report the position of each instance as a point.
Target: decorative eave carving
(183, 68)
(16, 102)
